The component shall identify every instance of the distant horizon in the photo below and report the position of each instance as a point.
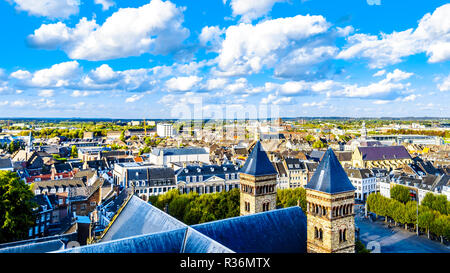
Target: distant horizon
(172, 119)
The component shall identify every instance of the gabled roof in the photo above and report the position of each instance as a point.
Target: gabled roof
(139, 217)
(182, 240)
(258, 163)
(329, 176)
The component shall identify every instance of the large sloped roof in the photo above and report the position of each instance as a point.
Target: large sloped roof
(329, 176)
(39, 247)
(160, 242)
(182, 240)
(195, 242)
(258, 163)
(137, 218)
(275, 231)
(142, 228)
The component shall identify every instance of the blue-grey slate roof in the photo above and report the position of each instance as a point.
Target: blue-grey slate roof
(206, 171)
(139, 217)
(161, 242)
(257, 163)
(276, 231)
(39, 247)
(195, 242)
(183, 240)
(329, 176)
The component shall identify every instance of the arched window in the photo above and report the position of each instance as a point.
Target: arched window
(320, 234)
(316, 233)
(344, 235)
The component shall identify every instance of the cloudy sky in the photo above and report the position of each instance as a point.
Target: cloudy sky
(149, 59)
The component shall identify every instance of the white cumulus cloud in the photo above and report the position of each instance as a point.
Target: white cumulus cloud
(249, 48)
(154, 28)
(432, 36)
(48, 8)
(182, 83)
(250, 9)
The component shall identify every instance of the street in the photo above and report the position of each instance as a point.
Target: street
(376, 236)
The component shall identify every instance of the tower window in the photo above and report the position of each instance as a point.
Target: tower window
(342, 235)
(247, 206)
(318, 233)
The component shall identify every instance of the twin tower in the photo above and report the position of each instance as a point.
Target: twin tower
(329, 195)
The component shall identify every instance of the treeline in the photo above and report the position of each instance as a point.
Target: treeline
(193, 208)
(12, 147)
(445, 134)
(433, 216)
(291, 197)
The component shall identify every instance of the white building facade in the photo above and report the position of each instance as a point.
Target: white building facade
(164, 130)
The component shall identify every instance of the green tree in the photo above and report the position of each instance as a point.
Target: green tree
(291, 197)
(16, 208)
(360, 247)
(122, 136)
(177, 206)
(309, 138)
(411, 213)
(439, 225)
(440, 203)
(426, 218)
(400, 193)
(74, 152)
(318, 144)
(399, 212)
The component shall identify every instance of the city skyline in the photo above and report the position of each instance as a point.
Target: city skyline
(147, 59)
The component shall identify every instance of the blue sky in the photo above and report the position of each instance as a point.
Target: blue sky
(156, 59)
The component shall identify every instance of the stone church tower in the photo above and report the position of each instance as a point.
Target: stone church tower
(330, 217)
(258, 179)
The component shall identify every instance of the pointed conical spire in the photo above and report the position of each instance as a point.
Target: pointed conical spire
(329, 176)
(258, 163)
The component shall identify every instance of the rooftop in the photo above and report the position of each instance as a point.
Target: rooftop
(329, 176)
(258, 163)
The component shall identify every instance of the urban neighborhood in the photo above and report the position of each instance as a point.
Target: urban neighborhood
(313, 185)
(224, 135)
